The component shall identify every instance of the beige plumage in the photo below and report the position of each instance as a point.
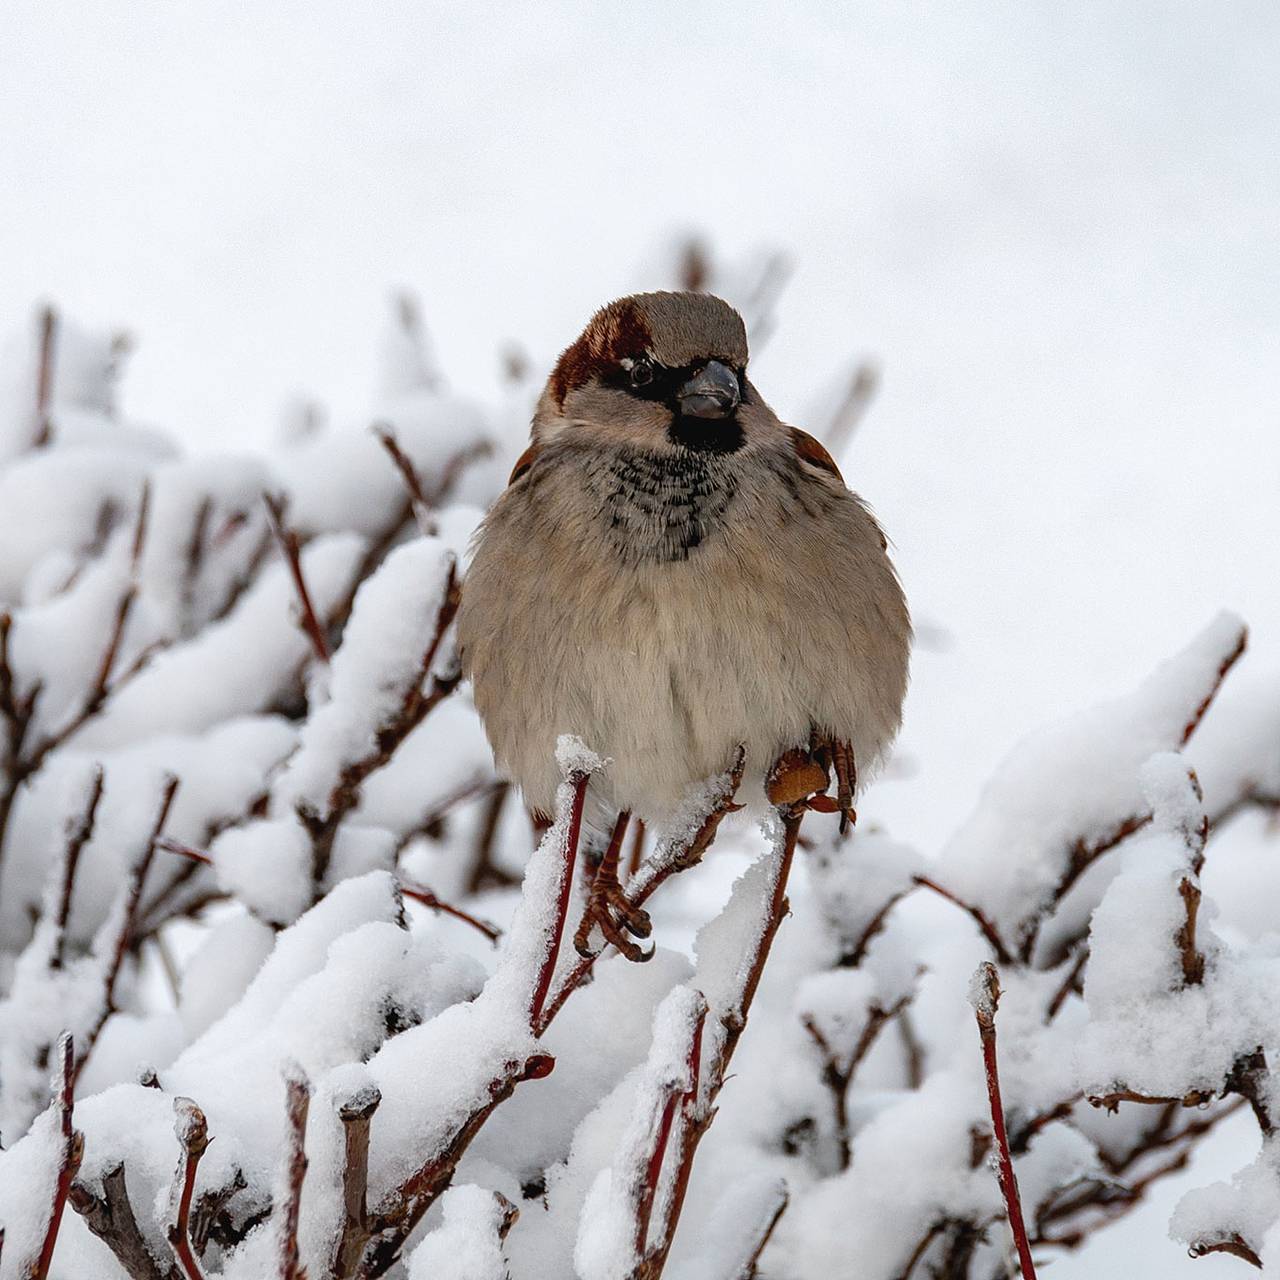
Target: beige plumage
(673, 572)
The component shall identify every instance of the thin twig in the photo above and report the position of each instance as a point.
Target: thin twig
(287, 540)
(48, 327)
(987, 1000)
(979, 917)
(297, 1102)
(70, 1158)
(429, 899)
(564, 887)
(193, 1136)
(78, 835)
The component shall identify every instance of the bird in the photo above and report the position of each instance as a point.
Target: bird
(674, 575)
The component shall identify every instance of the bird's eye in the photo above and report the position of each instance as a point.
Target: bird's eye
(641, 372)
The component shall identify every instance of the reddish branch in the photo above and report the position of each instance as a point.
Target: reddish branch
(434, 495)
(78, 835)
(838, 1076)
(132, 895)
(69, 1161)
(668, 859)
(985, 1011)
(733, 1022)
(564, 887)
(1084, 853)
(297, 1102)
(980, 918)
(429, 899)
(193, 1136)
(418, 701)
(291, 548)
(681, 1102)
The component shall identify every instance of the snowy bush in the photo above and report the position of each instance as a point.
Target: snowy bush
(288, 989)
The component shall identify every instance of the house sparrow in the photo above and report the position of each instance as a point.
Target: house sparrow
(673, 573)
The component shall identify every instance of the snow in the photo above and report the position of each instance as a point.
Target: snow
(468, 1244)
(380, 662)
(1078, 781)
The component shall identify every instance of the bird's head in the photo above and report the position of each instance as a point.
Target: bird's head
(655, 370)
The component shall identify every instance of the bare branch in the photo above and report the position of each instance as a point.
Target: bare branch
(111, 1218)
(1234, 1245)
(297, 1102)
(429, 899)
(979, 917)
(987, 984)
(48, 329)
(291, 549)
(69, 1161)
(356, 1115)
(193, 1136)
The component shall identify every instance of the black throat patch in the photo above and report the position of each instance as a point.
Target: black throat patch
(662, 506)
(706, 435)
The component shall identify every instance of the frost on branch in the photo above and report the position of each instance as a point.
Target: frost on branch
(336, 1010)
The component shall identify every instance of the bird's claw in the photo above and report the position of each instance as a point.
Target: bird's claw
(610, 909)
(800, 778)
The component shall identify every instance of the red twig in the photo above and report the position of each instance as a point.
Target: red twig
(979, 917)
(668, 859)
(132, 896)
(701, 1111)
(72, 1154)
(429, 899)
(78, 835)
(677, 1102)
(987, 984)
(167, 844)
(193, 1136)
(290, 548)
(564, 888)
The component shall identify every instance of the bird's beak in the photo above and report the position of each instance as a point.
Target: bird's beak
(713, 392)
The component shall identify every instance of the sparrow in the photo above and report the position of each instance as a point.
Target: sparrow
(673, 574)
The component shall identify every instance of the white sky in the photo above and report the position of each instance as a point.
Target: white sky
(1053, 225)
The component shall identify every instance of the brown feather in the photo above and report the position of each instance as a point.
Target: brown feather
(812, 452)
(524, 462)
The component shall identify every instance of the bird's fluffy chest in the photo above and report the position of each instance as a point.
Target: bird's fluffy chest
(666, 609)
(658, 507)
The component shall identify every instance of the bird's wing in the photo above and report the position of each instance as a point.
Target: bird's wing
(811, 451)
(526, 460)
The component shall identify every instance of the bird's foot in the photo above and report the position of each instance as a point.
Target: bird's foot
(609, 908)
(800, 778)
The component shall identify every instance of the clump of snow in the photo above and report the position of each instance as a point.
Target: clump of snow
(468, 1243)
(1078, 781)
